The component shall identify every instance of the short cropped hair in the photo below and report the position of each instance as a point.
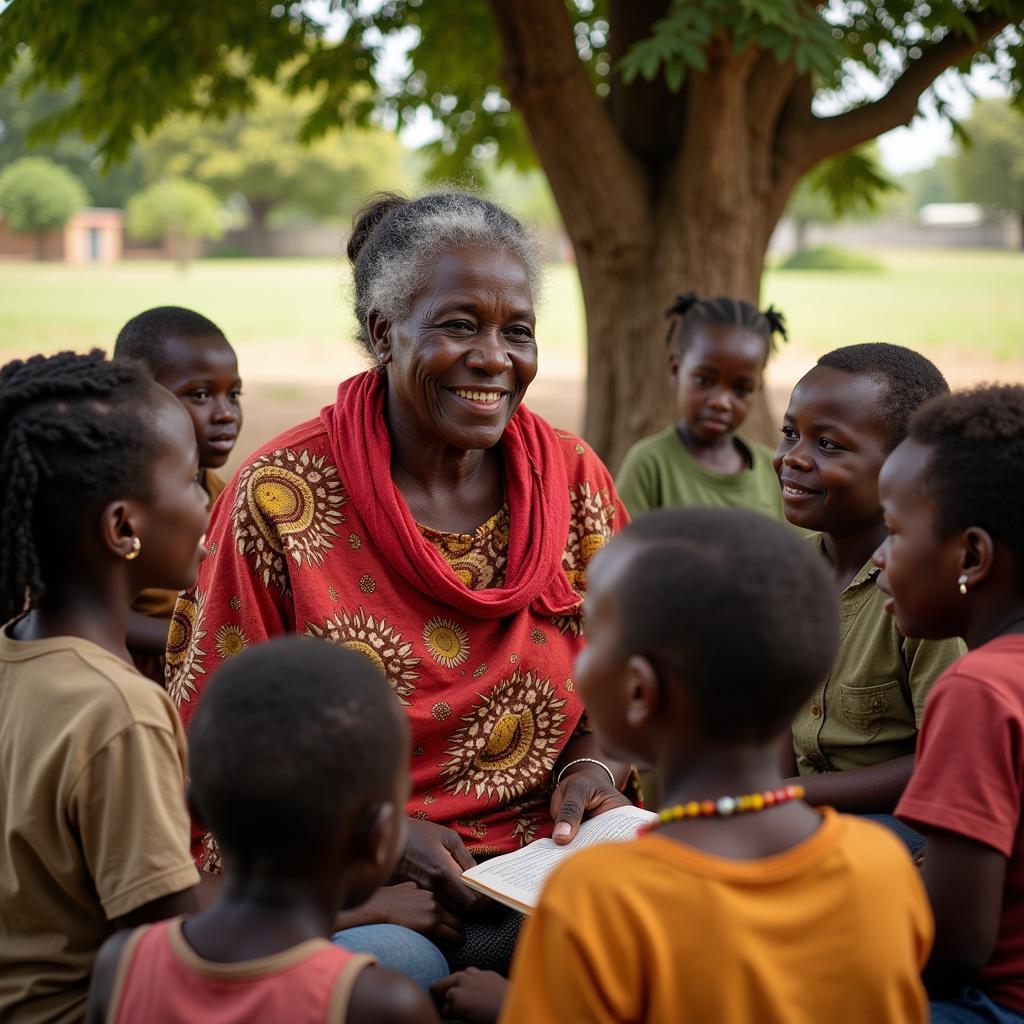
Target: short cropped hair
(144, 338)
(977, 462)
(290, 739)
(737, 608)
(908, 380)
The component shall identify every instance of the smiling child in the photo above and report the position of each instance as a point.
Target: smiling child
(189, 355)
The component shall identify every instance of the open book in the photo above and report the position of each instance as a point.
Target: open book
(516, 879)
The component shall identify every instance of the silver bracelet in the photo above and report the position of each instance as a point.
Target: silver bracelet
(587, 760)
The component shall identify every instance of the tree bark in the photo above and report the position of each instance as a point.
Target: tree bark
(662, 193)
(259, 236)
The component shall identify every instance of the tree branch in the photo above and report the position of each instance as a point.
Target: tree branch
(601, 189)
(809, 138)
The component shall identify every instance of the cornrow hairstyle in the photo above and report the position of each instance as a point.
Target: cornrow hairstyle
(307, 756)
(394, 241)
(75, 436)
(908, 380)
(768, 577)
(144, 338)
(688, 312)
(977, 454)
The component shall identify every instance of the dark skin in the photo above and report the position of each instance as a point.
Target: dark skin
(458, 365)
(715, 380)
(643, 718)
(93, 598)
(266, 906)
(203, 374)
(920, 567)
(832, 449)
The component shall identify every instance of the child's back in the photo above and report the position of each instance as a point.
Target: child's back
(660, 931)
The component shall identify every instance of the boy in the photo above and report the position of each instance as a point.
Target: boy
(744, 904)
(189, 356)
(304, 786)
(854, 739)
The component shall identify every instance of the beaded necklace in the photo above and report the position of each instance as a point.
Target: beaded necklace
(726, 805)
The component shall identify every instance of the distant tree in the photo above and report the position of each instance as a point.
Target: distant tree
(176, 210)
(38, 196)
(18, 113)
(933, 184)
(989, 165)
(257, 153)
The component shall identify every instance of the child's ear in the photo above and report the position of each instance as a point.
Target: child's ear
(673, 366)
(643, 692)
(118, 528)
(376, 836)
(976, 555)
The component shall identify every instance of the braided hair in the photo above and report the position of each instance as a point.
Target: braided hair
(75, 435)
(689, 312)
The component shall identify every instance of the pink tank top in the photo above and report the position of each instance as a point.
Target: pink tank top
(162, 980)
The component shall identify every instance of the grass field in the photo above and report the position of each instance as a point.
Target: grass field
(292, 316)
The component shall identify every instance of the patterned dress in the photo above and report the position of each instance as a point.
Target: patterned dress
(475, 633)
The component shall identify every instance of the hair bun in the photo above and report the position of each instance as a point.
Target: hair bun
(684, 302)
(368, 216)
(777, 322)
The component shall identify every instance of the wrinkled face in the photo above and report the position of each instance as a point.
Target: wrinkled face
(919, 567)
(832, 449)
(174, 520)
(203, 374)
(716, 378)
(600, 673)
(460, 361)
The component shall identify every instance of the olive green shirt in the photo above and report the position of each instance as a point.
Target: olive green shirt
(660, 472)
(870, 705)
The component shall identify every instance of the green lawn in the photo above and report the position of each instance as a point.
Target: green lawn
(925, 299)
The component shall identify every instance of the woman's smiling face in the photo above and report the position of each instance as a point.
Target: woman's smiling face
(834, 442)
(460, 361)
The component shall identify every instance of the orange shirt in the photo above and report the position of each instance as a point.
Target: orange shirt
(162, 980)
(835, 929)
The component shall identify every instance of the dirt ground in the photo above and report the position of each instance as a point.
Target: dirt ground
(280, 391)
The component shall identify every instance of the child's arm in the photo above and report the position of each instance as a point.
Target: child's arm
(472, 996)
(965, 880)
(383, 995)
(104, 971)
(871, 790)
(147, 634)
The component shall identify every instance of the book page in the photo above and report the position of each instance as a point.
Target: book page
(516, 879)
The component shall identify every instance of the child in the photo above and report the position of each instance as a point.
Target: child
(189, 356)
(304, 786)
(740, 908)
(953, 565)
(854, 739)
(98, 498)
(717, 353)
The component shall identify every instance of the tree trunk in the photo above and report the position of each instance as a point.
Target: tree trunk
(800, 226)
(259, 235)
(40, 245)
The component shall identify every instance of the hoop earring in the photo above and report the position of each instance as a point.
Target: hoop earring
(961, 583)
(136, 548)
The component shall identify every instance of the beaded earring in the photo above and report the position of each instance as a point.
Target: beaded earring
(961, 583)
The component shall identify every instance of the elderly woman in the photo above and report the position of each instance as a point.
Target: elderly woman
(432, 522)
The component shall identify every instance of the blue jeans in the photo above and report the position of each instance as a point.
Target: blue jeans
(398, 949)
(912, 839)
(973, 1007)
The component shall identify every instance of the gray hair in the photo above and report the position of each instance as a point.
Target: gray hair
(394, 241)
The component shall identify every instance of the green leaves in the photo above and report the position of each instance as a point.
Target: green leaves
(852, 183)
(38, 195)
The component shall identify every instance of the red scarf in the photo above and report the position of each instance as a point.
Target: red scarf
(538, 515)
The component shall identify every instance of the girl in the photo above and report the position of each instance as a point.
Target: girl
(99, 497)
(953, 565)
(717, 353)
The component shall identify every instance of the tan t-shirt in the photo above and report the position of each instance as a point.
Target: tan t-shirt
(92, 815)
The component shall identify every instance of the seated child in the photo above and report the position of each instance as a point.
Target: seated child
(189, 356)
(953, 565)
(854, 739)
(304, 786)
(717, 353)
(98, 498)
(743, 905)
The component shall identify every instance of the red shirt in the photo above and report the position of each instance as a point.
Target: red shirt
(969, 779)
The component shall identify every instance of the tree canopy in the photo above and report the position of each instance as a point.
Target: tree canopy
(177, 210)
(37, 196)
(989, 166)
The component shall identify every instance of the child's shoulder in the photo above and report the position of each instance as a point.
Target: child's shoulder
(657, 447)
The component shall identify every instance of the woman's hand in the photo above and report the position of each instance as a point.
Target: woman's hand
(434, 859)
(584, 793)
(408, 905)
(472, 995)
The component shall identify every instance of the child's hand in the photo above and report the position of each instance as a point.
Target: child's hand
(472, 995)
(410, 906)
